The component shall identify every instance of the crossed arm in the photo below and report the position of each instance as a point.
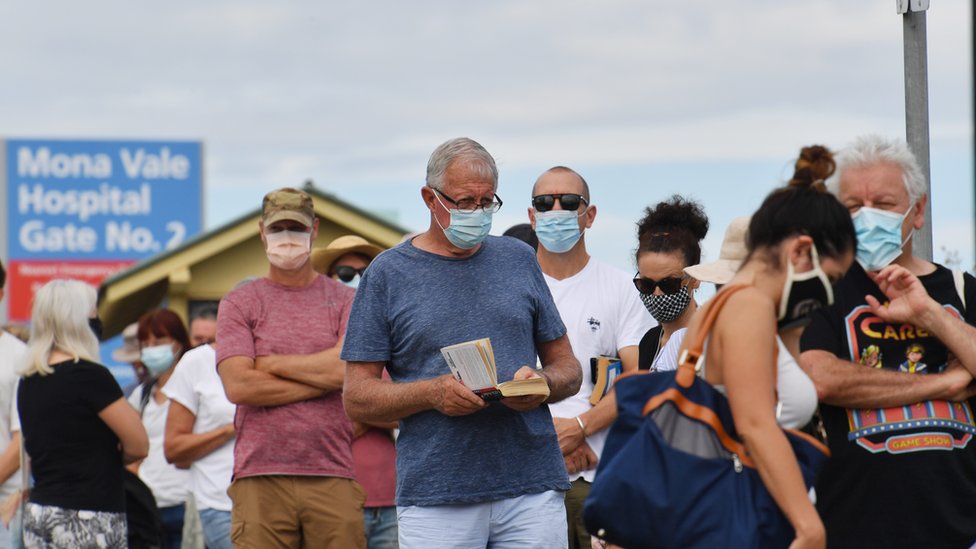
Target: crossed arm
(843, 383)
(276, 380)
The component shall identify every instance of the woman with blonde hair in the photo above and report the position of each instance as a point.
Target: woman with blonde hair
(78, 429)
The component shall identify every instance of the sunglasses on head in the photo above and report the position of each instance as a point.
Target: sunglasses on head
(668, 285)
(347, 273)
(545, 202)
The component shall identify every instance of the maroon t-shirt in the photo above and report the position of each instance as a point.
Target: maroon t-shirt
(374, 459)
(264, 318)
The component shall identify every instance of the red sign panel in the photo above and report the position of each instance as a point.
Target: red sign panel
(24, 278)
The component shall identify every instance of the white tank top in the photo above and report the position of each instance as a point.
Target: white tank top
(796, 392)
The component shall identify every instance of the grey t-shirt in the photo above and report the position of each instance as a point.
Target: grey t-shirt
(410, 303)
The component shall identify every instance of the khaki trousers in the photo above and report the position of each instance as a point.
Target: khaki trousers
(296, 512)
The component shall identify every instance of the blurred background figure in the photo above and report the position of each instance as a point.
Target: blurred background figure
(78, 428)
(20, 331)
(12, 350)
(345, 259)
(199, 435)
(719, 273)
(129, 352)
(203, 326)
(525, 233)
(162, 340)
(373, 447)
(668, 240)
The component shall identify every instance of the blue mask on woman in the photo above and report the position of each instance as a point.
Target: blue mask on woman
(157, 358)
(467, 229)
(878, 237)
(558, 230)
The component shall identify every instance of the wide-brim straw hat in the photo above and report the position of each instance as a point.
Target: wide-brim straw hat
(730, 257)
(129, 351)
(323, 258)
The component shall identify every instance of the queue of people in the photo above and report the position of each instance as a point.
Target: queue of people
(314, 406)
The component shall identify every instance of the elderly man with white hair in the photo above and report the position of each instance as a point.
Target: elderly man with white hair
(903, 471)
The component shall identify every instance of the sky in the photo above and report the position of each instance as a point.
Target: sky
(710, 99)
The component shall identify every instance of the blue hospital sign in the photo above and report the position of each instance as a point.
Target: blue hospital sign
(85, 209)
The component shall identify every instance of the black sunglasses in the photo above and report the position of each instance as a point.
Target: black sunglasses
(545, 202)
(347, 273)
(668, 285)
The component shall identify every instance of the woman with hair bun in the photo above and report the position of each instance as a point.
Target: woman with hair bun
(668, 240)
(801, 240)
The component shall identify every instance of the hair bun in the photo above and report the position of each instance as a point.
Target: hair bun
(815, 165)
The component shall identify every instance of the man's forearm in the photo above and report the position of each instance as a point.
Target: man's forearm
(564, 376)
(246, 385)
(602, 415)
(958, 336)
(324, 370)
(372, 400)
(842, 383)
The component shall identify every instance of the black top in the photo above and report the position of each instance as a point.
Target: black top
(75, 457)
(648, 348)
(903, 476)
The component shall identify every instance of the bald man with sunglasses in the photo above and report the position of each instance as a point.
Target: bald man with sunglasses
(603, 316)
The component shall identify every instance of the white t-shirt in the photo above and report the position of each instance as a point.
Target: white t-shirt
(169, 485)
(11, 359)
(667, 358)
(196, 385)
(602, 313)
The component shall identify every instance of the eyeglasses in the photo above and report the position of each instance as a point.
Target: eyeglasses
(468, 205)
(668, 285)
(347, 273)
(545, 202)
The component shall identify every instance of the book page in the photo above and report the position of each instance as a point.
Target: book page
(470, 363)
(522, 387)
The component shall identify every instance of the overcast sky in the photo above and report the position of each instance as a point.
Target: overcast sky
(712, 99)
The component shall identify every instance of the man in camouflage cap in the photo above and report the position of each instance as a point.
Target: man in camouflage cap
(278, 358)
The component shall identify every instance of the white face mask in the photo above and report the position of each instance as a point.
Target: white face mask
(288, 250)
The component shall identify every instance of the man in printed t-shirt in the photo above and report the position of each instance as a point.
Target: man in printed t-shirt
(892, 359)
(278, 359)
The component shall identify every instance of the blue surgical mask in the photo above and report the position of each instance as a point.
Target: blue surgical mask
(467, 229)
(558, 230)
(157, 358)
(878, 237)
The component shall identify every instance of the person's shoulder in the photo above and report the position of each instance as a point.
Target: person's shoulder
(506, 248)
(393, 256)
(87, 368)
(749, 304)
(10, 344)
(203, 353)
(246, 290)
(609, 272)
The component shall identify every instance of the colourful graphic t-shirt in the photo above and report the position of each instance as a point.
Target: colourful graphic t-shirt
(903, 476)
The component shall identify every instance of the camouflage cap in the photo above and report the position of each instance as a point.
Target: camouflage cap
(288, 203)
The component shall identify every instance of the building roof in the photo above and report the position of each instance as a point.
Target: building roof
(210, 264)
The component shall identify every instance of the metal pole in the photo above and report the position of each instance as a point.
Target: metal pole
(917, 108)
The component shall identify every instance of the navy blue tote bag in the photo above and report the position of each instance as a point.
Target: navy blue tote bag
(674, 473)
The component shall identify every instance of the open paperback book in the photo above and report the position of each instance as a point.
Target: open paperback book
(473, 363)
